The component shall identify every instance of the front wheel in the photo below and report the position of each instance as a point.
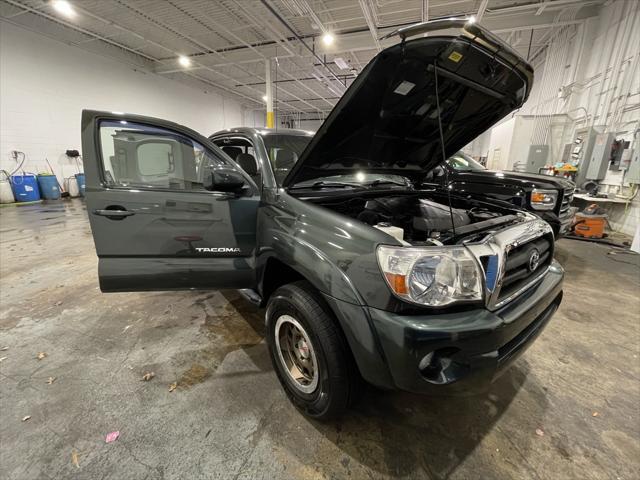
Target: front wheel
(309, 352)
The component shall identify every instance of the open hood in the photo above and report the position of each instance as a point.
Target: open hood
(387, 121)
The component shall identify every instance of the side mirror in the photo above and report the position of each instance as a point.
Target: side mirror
(224, 181)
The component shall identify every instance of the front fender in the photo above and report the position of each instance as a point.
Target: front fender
(318, 244)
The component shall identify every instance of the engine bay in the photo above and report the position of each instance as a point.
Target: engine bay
(419, 219)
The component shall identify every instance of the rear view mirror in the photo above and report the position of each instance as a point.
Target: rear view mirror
(224, 181)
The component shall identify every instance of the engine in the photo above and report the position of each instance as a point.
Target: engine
(410, 218)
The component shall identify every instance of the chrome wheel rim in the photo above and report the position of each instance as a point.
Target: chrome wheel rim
(296, 353)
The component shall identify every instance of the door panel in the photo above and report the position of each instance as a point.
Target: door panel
(130, 274)
(172, 224)
(154, 224)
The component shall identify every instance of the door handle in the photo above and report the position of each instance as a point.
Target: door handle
(114, 213)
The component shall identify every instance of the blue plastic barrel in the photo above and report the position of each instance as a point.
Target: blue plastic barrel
(25, 187)
(80, 179)
(49, 187)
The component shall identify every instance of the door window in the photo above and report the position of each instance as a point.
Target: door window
(140, 156)
(284, 151)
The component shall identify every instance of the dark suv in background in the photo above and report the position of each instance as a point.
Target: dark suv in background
(548, 197)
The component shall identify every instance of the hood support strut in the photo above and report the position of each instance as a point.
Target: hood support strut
(444, 155)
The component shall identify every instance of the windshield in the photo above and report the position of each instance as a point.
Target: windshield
(284, 150)
(358, 179)
(463, 162)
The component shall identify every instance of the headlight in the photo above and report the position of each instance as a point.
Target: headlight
(433, 276)
(543, 199)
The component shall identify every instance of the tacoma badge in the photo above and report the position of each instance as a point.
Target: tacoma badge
(218, 249)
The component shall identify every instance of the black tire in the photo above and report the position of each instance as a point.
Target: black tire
(339, 382)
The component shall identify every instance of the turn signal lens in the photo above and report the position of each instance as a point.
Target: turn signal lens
(543, 199)
(537, 197)
(398, 283)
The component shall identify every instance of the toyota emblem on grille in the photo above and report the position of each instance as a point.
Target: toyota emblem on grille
(534, 260)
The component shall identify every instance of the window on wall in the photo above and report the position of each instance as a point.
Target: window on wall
(141, 156)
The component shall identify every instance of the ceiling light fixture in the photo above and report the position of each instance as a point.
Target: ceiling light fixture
(184, 61)
(327, 38)
(64, 7)
(341, 63)
(471, 20)
(265, 98)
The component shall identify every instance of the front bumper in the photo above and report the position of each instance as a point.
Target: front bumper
(560, 225)
(463, 352)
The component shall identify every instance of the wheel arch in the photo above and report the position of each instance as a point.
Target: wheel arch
(350, 318)
(275, 273)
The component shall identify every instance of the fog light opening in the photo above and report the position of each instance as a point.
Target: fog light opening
(438, 366)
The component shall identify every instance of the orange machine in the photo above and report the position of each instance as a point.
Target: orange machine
(590, 225)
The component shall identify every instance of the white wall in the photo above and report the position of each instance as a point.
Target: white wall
(313, 125)
(254, 118)
(479, 147)
(44, 85)
(519, 151)
(598, 64)
(500, 145)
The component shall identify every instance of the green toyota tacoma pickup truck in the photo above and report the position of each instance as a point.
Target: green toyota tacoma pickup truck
(366, 271)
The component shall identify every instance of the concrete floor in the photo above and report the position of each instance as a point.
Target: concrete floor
(228, 417)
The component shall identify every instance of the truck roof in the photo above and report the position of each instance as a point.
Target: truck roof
(265, 131)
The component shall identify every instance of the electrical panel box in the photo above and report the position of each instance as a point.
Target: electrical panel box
(618, 147)
(625, 158)
(537, 158)
(566, 153)
(584, 140)
(633, 171)
(600, 156)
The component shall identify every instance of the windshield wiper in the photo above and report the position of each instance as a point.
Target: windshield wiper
(375, 183)
(323, 184)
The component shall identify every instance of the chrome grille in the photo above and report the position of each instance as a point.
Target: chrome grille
(505, 255)
(518, 270)
(565, 206)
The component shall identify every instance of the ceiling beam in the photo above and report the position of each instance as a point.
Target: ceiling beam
(284, 42)
(295, 34)
(547, 4)
(542, 7)
(259, 53)
(538, 26)
(160, 24)
(77, 28)
(221, 55)
(367, 12)
(481, 9)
